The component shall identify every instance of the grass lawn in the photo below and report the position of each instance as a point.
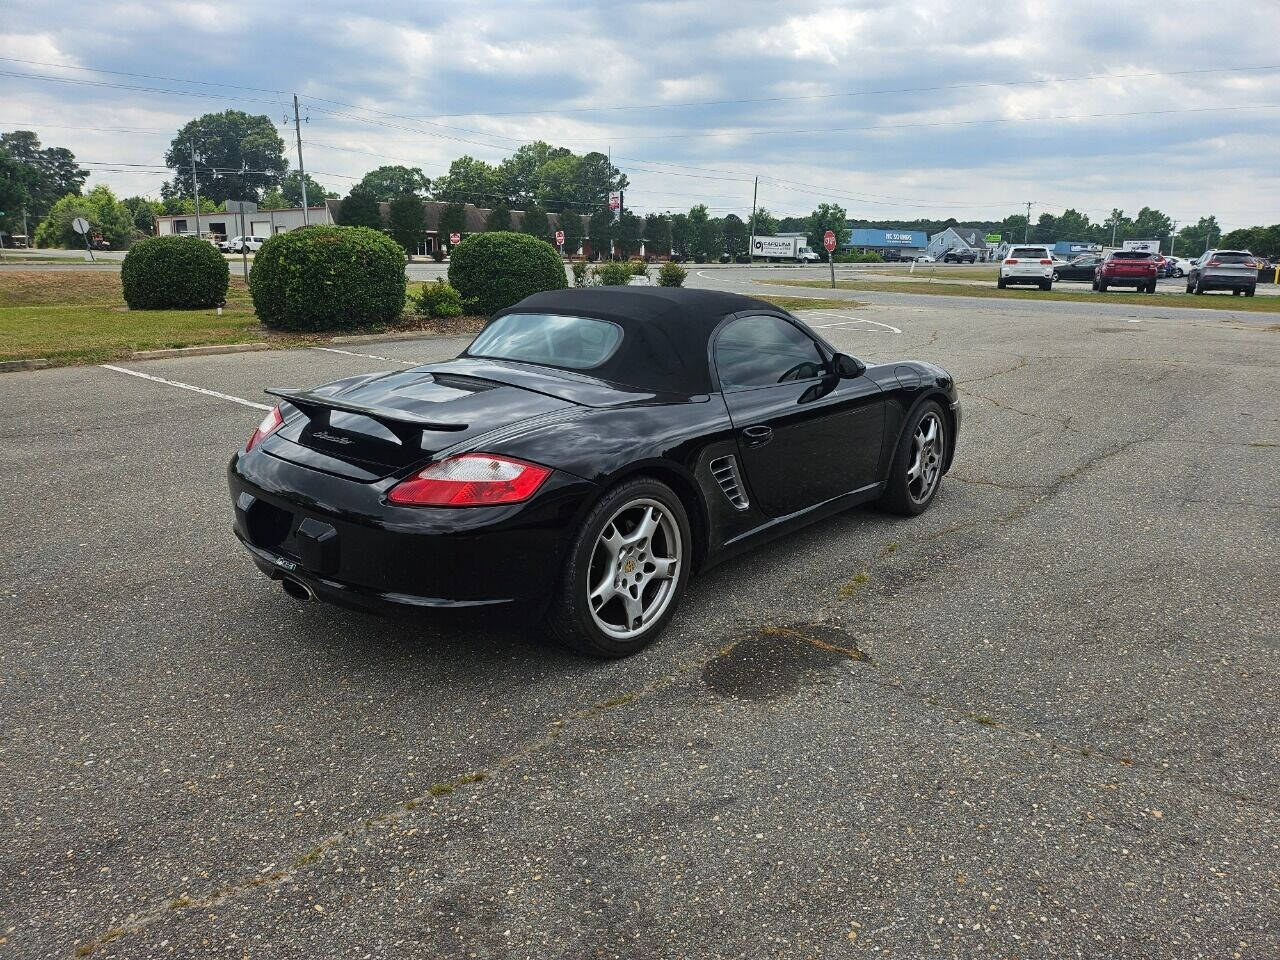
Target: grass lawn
(940, 271)
(1172, 300)
(808, 303)
(79, 316)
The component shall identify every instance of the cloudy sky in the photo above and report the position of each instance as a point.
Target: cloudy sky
(894, 110)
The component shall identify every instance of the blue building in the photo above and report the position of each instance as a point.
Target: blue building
(1070, 248)
(905, 243)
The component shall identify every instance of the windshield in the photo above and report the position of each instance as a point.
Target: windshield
(572, 343)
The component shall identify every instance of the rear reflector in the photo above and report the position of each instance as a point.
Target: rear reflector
(270, 423)
(470, 480)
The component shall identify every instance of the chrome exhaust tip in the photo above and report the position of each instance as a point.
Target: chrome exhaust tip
(297, 589)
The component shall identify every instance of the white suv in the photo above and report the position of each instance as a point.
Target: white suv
(1027, 263)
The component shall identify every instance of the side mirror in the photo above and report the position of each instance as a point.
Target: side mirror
(847, 367)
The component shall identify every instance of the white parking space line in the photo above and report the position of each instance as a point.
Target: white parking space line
(186, 386)
(369, 356)
(846, 322)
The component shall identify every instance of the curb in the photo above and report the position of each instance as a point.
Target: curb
(13, 366)
(202, 351)
(403, 335)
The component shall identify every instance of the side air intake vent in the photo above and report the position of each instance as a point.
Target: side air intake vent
(725, 470)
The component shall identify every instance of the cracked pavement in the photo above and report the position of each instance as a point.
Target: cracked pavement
(1040, 720)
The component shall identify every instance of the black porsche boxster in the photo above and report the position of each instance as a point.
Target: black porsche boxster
(588, 452)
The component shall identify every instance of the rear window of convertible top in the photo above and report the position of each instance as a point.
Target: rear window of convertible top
(552, 340)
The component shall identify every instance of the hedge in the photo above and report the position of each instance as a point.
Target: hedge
(494, 270)
(325, 278)
(173, 273)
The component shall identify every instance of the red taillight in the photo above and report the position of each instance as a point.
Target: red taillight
(270, 423)
(470, 480)
(1011, 260)
(1046, 263)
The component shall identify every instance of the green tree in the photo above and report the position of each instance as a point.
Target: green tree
(702, 235)
(560, 183)
(657, 234)
(627, 230)
(172, 205)
(680, 235)
(766, 224)
(144, 213)
(597, 178)
(389, 182)
(520, 176)
(469, 181)
(1151, 224)
(99, 206)
(1117, 228)
(571, 224)
(1195, 238)
(1073, 225)
(600, 230)
(408, 222)
(499, 218)
(1046, 229)
(360, 209)
(535, 223)
(34, 177)
(453, 219)
(291, 190)
(735, 235)
(237, 157)
(827, 216)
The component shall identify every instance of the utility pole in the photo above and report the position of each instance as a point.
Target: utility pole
(25, 232)
(751, 234)
(302, 171)
(195, 187)
(1026, 235)
(1173, 238)
(1115, 222)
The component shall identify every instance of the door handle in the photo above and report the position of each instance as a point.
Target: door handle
(757, 436)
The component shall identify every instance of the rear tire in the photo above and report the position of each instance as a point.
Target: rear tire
(612, 557)
(1199, 286)
(1000, 283)
(1249, 291)
(1046, 285)
(1102, 286)
(916, 473)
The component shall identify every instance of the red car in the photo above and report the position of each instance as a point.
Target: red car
(1127, 268)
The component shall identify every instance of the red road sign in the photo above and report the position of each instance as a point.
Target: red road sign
(455, 238)
(829, 241)
(560, 238)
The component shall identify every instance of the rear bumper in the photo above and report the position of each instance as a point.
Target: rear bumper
(1018, 274)
(1128, 279)
(340, 538)
(1229, 281)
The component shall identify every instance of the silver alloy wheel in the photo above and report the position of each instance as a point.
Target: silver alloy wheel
(928, 445)
(634, 568)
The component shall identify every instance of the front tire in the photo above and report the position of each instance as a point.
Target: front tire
(918, 462)
(626, 571)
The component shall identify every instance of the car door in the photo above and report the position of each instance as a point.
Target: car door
(804, 435)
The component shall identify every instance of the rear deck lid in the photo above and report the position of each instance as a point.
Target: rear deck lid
(379, 425)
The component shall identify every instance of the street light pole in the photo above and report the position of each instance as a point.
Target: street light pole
(1026, 234)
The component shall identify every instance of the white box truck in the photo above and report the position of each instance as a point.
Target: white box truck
(783, 248)
(1141, 246)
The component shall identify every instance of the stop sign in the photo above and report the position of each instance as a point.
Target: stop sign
(560, 237)
(455, 238)
(829, 241)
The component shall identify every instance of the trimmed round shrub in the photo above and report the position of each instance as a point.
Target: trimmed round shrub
(614, 273)
(671, 275)
(328, 278)
(494, 270)
(438, 299)
(173, 273)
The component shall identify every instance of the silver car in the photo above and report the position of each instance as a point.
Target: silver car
(1234, 270)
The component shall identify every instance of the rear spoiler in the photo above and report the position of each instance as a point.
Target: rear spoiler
(405, 425)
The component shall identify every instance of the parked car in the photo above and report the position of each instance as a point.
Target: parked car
(250, 244)
(567, 464)
(924, 258)
(1234, 270)
(1027, 264)
(1127, 268)
(959, 256)
(1083, 267)
(1179, 266)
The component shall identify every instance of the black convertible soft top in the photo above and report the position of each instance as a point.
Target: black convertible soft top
(665, 330)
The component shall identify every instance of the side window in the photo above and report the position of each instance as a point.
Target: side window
(762, 350)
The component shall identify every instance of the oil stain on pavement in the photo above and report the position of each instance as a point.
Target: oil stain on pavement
(778, 661)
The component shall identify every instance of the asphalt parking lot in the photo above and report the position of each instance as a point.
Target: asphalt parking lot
(1041, 720)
